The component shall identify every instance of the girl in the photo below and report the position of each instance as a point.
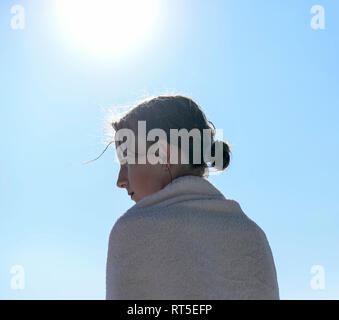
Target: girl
(182, 239)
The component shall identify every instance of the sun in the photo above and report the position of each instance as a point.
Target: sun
(106, 26)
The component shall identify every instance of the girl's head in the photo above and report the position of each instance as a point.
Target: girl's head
(166, 112)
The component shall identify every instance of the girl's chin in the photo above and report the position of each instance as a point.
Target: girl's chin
(133, 197)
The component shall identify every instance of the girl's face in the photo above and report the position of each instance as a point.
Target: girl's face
(141, 180)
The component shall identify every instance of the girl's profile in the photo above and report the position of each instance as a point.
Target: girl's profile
(182, 239)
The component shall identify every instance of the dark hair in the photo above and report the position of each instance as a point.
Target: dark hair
(175, 112)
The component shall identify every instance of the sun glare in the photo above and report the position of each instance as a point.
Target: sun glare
(106, 26)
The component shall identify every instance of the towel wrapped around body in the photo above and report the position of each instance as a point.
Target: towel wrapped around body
(188, 242)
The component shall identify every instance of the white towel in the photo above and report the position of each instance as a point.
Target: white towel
(188, 242)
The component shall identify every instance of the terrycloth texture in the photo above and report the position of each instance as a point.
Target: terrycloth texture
(188, 242)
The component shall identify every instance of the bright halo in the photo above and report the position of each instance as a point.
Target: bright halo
(106, 26)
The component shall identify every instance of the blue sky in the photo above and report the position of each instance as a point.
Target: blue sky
(260, 73)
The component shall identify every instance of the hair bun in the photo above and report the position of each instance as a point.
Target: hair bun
(226, 153)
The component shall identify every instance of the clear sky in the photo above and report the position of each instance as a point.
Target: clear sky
(258, 69)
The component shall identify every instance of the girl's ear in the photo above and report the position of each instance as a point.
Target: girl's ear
(166, 166)
(168, 154)
(168, 171)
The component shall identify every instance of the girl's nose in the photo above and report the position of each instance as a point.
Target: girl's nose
(122, 181)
